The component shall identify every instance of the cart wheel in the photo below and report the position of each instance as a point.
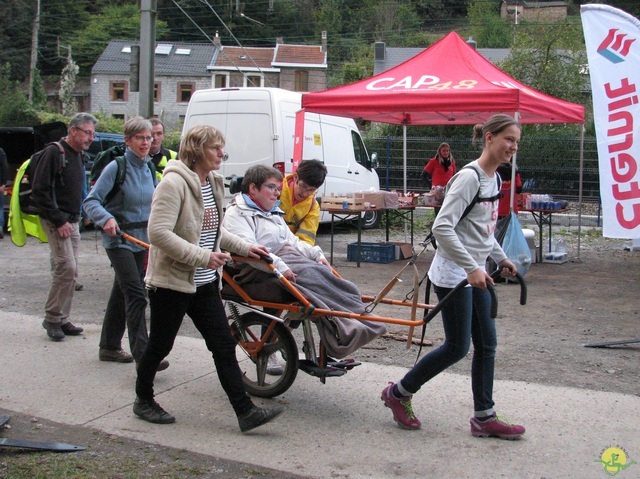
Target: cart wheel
(248, 331)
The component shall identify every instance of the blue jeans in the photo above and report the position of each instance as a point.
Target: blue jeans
(466, 317)
(127, 303)
(205, 308)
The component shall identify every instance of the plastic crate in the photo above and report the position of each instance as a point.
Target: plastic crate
(372, 252)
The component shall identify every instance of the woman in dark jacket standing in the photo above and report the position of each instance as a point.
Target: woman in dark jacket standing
(128, 211)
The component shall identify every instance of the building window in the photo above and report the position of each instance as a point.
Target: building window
(118, 91)
(302, 81)
(253, 80)
(119, 116)
(156, 93)
(220, 81)
(185, 90)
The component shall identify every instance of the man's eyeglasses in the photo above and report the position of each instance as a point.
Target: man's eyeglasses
(89, 133)
(143, 138)
(272, 187)
(305, 189)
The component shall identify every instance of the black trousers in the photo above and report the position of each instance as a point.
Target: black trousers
(206, 310)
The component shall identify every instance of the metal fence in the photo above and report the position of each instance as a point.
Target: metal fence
(546, 164)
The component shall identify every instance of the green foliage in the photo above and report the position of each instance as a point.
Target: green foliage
(109, 124)
(50, 117)
(114, 22)
(172, 139)
(361, 67)
(487, 28)
(15, 36)
(15, 109)
(549, 58)
(67, 84)
(38, 95)
(328, 17)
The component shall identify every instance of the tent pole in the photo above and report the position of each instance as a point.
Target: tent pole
(404, 164)
(580, 189)
(404, 155)
(514, 161)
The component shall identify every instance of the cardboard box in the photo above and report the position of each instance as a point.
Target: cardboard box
(403, 250)
(429, 199)
(381, 199)
(408, 200)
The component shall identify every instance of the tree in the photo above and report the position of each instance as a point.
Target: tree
(67, 85)
(115, 22)
(550, 58)
(15, 36)
(14, 106)
(632, 7)
(38, 95)
(487, 28)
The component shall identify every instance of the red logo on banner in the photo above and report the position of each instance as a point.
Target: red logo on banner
(615, 47)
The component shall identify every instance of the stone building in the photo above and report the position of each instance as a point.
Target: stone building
(183, 68)
(545, 12)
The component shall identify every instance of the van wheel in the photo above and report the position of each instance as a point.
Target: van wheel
(371, 220)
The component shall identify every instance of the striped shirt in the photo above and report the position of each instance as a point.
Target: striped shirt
(210, 226)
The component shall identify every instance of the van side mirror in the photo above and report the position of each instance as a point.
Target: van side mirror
(374, 160)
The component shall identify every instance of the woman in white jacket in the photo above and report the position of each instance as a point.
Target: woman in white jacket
(184, 271)
(254, 216)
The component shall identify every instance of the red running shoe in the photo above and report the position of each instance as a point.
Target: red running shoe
(401, 409)
(495, 427)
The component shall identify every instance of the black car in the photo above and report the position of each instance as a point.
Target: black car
(19, 143)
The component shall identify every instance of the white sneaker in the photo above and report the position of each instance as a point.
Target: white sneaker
(273, 366)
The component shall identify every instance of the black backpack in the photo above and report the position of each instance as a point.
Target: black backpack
(27, 205)
(103, 159)
(477, 199)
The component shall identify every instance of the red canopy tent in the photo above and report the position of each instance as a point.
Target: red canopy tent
(448, 83)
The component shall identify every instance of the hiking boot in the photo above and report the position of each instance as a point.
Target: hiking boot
(401, 409)
(164, 364)
(257, 416)
(71, 330)
(495, 427)
(273, 366)
(151, 411)
(54, 331)
(115, 355)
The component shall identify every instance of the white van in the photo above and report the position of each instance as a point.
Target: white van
(259, 125)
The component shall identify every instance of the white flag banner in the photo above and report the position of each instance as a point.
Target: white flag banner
(613, 48)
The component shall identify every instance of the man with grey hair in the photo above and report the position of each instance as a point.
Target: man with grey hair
(57, 193)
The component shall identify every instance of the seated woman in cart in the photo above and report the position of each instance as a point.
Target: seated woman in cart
(254, 216)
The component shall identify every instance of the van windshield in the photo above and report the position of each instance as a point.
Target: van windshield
(360, 151)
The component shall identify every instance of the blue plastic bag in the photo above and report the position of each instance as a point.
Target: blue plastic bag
(515, 246)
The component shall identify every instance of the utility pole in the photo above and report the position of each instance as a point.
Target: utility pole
(34, 49)
(148, 13)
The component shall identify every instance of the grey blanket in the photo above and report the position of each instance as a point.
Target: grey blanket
(341, 336)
